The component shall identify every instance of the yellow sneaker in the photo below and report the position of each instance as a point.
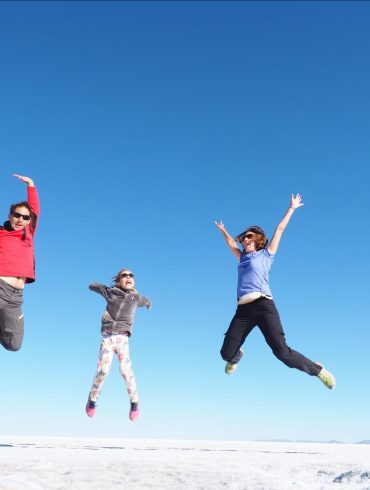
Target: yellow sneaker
(230, 368)
(326, 377)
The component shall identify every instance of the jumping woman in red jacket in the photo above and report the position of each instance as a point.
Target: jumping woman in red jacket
(17, 264)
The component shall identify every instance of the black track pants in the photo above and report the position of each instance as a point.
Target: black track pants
(263, 313)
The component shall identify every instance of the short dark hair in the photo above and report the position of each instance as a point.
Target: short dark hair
(23, 204)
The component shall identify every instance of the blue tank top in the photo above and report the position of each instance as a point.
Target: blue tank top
(253, 272)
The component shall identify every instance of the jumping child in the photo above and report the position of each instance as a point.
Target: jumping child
(116, 328)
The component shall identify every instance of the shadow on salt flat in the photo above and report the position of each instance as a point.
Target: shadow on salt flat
(355, 477)
(182, 449)
(352, 476)
(96, 448)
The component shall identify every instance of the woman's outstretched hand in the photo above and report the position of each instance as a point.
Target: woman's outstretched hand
(296, 201)
(220, 226)
(229, 240)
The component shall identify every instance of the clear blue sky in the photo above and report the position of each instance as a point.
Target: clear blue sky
(142, 123)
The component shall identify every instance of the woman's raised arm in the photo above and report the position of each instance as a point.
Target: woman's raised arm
(230, 242)
(295, 202)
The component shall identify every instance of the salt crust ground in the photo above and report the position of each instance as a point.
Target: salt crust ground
(40, 463)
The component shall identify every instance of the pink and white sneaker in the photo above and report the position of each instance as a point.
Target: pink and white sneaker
(90, 408)
(134, 411)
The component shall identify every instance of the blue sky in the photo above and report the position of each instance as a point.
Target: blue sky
(141, 124)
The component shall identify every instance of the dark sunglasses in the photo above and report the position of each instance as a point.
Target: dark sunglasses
(126, 274)
(26, 217)
(247, 235)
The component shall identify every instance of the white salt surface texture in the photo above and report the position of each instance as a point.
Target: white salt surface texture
(41, 463)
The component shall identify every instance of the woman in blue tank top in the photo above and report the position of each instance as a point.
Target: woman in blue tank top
(255, 303)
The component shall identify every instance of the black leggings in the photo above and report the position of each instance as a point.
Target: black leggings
(263, 313)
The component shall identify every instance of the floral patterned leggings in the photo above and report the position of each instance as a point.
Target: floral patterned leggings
(114, 344)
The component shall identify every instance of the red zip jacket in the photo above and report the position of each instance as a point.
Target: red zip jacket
(16, 246)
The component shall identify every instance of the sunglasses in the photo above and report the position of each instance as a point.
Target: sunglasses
(126, 274)
(26, 217)
(247, 235)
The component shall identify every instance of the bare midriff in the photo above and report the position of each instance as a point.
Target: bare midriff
(15, 282)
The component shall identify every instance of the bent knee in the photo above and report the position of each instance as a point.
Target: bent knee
(12, 346)
(102, 373)
(283, 354)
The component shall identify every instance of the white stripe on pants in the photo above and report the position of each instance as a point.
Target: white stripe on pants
(114, 344)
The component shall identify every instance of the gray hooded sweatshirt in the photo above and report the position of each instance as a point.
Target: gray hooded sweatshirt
(121, 307)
